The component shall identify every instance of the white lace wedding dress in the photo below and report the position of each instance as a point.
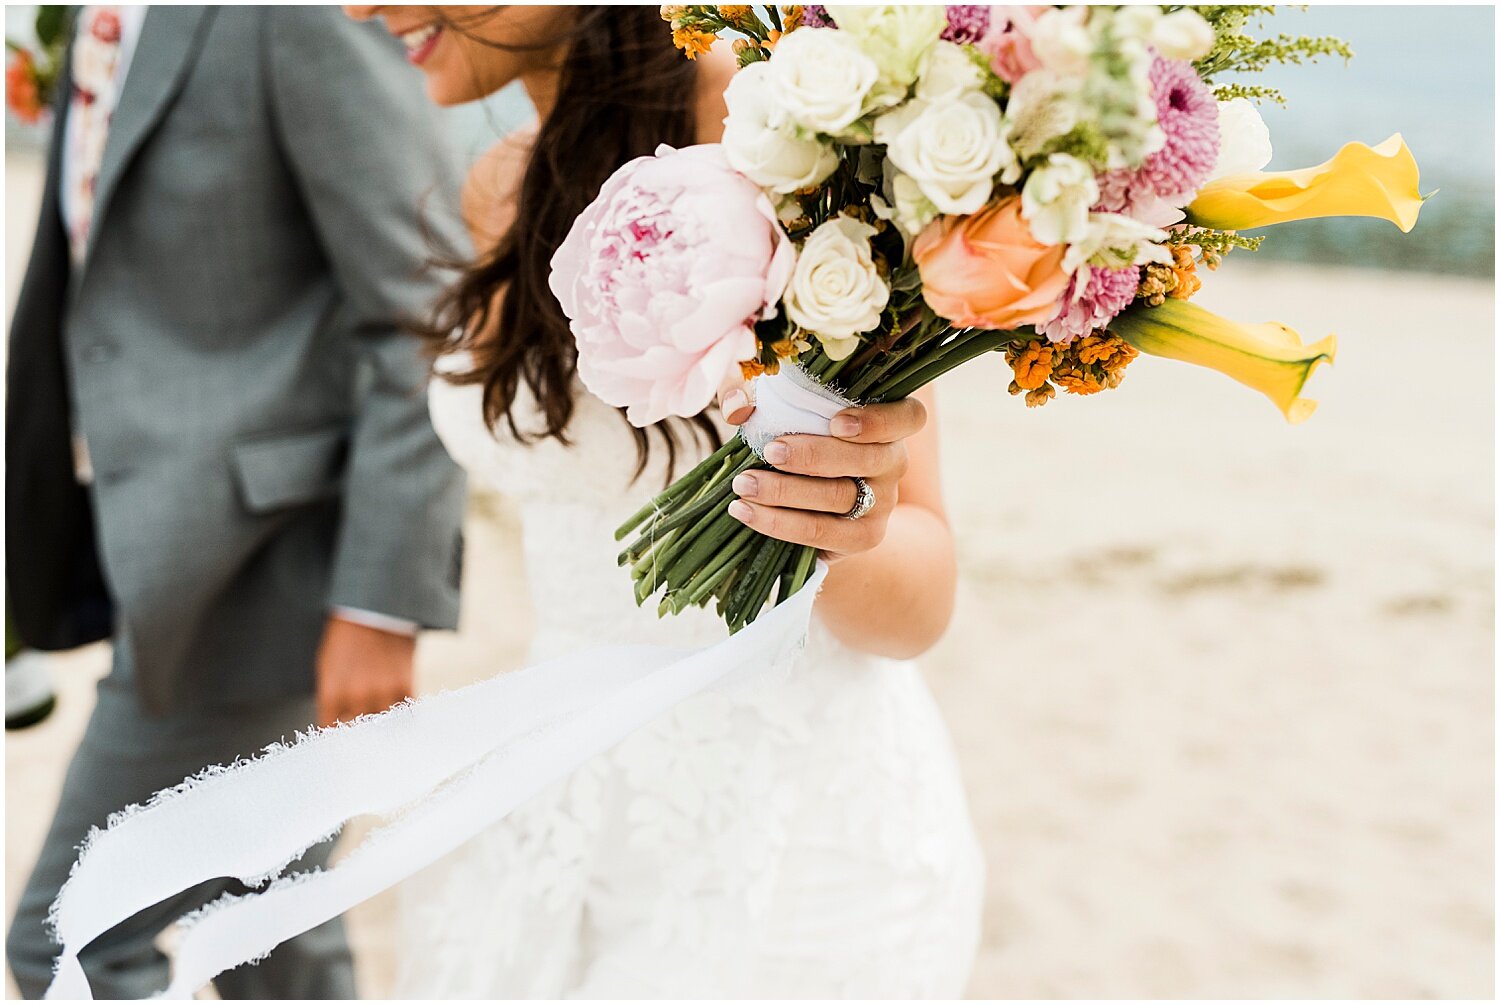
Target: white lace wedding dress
(807, 837)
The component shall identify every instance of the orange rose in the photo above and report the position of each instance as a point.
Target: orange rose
(987, 271)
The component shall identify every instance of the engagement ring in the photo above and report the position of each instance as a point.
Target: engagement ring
(864, 500)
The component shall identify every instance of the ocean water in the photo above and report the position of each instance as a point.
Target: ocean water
(1427, 72)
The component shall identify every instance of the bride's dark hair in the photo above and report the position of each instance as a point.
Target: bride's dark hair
(624, 89)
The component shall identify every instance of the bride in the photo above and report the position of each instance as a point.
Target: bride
(807, 837)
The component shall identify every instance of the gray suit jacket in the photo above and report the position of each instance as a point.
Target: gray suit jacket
(273, 184)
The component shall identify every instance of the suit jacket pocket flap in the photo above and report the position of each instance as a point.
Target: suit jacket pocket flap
(290, 469)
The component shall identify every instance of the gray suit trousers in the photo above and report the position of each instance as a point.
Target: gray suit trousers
(126, 755)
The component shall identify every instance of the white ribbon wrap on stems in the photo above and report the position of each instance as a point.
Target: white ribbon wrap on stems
(451, 764)
(789, 401)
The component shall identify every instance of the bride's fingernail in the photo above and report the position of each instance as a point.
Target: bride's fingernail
(844, 426)
(775, 452)
(741, 511)
(734, 402)
(745, 485)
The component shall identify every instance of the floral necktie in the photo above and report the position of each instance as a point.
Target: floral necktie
(96, 55)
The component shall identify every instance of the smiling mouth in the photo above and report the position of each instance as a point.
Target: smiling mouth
(420, 42)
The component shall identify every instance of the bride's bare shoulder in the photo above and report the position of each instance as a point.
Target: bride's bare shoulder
(489, 194)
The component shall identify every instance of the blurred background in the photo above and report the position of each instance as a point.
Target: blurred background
(1222, 688)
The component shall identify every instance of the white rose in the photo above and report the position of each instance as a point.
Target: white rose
(952, 149)
(1113, 241)
(1056, 199)
(1061, 40)
(947, 72)
(1244, 140)
(760, 144)
(1182, 34)
(836, 292)
(820, 79)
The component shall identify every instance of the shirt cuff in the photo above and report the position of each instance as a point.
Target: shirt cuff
(372, 619)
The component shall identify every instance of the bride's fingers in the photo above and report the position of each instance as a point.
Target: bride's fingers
(828, 457)
(772, 488)
(734, 399)
(828, 533)
(884, 423)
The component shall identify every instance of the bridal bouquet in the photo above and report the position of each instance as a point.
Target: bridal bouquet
(902, 189)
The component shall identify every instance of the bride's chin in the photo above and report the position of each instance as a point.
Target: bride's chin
(449, 86)
(443, 90)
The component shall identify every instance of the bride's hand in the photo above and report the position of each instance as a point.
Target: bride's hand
(804, 500)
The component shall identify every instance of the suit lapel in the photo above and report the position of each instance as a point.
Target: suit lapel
(170, 38)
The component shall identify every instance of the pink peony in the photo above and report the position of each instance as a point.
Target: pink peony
(1007, 41)
(1171, 177)
(663, 278)
(1093, 299)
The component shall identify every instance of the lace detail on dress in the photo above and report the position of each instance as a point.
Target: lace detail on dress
(804, 837)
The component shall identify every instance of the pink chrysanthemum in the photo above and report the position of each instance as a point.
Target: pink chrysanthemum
(966, 23)
(1104, 294)
(816, 16)
(1189, 116)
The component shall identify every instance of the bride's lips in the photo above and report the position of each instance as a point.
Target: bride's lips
(420, 42)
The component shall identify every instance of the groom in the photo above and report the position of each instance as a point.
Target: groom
(217, 443)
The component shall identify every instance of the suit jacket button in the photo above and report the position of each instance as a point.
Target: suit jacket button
(99, 352)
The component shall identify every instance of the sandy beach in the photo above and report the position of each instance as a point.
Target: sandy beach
(1222, 688)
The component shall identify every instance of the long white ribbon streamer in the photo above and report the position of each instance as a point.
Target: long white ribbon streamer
(789, 401)
(453, 764)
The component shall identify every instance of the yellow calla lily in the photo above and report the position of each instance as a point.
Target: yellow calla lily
(1270, 358)
(1378, 182)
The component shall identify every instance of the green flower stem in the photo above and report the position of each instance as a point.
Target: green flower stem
(835, 368)
(904, 383)
(713, 493)
(731, 582)
(661, 562)
(703, 586)
(653, 548)
(818, 364)
(679, 488)
(937, 349)
(646, 583)
(802, 567)
(775, 569)
(763, 565)
(684, 567)
(764, 580)
(676, 512)
(920, 340)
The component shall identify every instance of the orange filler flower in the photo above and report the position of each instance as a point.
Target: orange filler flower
(692, 41)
